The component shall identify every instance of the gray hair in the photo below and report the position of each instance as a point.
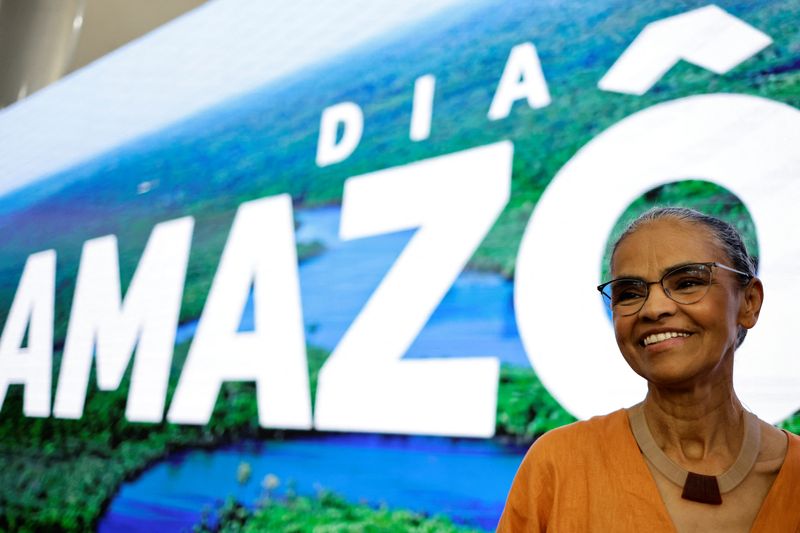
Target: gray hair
(729, 239)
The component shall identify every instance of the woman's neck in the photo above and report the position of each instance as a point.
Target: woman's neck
(699, 426)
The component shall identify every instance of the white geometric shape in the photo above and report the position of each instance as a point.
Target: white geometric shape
(707, 37)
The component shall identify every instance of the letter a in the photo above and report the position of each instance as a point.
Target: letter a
(260, 253)
(522, 78)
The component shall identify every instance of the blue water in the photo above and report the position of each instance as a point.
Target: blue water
(475, 318)
(462, 478)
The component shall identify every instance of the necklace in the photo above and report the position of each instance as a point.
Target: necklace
(699, 487)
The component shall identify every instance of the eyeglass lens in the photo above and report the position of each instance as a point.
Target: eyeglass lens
(685, 285)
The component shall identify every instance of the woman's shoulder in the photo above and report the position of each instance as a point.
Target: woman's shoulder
(585, 436)
(565, 455)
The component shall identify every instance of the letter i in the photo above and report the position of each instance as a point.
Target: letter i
(422, 108)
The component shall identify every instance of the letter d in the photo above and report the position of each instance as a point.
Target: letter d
(350, 116)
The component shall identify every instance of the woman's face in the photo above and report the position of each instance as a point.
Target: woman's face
(707, 329)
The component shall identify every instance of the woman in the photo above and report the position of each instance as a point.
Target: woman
(689, 457)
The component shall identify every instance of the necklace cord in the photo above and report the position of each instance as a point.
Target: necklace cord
(727, 481)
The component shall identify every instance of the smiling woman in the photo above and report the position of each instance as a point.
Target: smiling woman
(689, 457)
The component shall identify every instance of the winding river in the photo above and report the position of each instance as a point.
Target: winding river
(462, 478)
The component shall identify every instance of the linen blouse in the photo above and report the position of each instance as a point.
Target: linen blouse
(591, 476)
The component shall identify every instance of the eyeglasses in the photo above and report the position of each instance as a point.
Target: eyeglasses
(686, 284)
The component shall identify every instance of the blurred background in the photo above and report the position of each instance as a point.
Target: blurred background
(136, 136)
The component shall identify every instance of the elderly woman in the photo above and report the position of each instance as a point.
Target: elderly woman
(690, 457)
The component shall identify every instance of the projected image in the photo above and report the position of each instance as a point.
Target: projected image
(299, 307)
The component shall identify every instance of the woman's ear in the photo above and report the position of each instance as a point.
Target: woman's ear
(752, 298)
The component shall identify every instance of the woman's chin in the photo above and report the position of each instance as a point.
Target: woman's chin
(672, 372)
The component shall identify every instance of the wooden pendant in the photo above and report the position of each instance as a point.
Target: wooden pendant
(702, 489)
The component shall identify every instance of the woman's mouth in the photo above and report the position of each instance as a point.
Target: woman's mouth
(661, 337)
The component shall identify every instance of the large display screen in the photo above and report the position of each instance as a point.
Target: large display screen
(302, 265)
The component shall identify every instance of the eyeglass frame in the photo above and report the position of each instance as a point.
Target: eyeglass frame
(664, 289)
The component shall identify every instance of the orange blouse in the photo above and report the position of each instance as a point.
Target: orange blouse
(591, 476)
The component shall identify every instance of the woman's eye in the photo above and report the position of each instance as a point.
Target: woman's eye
(627, 296)
(627, 293)
(689, 282)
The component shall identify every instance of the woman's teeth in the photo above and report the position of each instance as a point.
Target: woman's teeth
(659, 337)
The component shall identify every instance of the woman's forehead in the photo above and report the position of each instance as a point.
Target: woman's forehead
(660, 244)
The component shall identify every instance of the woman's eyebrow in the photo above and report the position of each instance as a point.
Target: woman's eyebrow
(664, 270)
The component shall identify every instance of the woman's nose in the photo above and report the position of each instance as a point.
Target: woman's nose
(657, 304)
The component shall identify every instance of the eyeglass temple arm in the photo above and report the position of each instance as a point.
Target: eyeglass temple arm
(729, 269)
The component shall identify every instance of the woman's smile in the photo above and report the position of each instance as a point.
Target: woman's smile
(662, 342)
(652, 338)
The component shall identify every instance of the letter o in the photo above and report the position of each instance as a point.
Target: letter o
(746, 144)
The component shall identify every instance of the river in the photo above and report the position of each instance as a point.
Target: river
(464, 479)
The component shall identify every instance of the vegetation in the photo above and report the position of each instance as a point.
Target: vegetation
(60, 474)
(704, 196)
(525, 409)
(326, 512)
(792, 423)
